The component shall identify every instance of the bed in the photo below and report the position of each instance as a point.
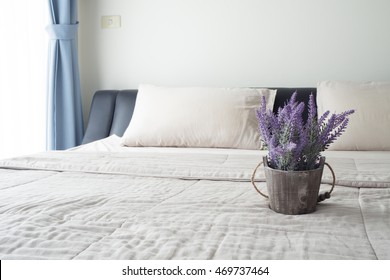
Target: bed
(103, 200)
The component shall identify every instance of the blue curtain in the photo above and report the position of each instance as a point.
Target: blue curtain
(64, 111)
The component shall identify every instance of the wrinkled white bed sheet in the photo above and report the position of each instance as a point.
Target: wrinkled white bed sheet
(170, 203)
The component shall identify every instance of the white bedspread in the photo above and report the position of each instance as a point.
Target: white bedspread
(183, 204)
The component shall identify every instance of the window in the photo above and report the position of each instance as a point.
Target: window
(23, 74)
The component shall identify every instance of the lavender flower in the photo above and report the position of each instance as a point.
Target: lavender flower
(293, 144)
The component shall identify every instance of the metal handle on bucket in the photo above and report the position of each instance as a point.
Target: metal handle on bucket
(253, 180)
(320, 198)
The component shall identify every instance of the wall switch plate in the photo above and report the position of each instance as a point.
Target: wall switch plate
(111, 21)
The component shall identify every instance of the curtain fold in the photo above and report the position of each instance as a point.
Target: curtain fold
(64, 112)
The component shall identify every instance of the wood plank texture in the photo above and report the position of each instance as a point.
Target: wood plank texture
(293, 192)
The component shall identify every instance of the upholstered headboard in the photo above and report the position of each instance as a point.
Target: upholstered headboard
(111, 110)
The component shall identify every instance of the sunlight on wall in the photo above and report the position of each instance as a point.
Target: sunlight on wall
(23, 60)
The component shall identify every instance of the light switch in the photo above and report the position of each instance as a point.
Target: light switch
(111, 21)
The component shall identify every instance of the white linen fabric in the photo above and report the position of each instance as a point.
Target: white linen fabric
(113, 144)
(176, 205)
(369, 126)
(196, 117)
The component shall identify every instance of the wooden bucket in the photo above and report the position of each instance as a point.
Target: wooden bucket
(294, 192)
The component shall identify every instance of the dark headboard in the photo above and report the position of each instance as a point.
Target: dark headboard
(111, 110)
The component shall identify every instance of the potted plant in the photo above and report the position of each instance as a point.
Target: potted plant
(294, 165)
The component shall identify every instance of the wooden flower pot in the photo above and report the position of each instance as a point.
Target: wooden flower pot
(294, 192)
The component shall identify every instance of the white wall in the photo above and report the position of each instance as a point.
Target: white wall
(232, 43)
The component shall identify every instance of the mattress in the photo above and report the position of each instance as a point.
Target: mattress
(105, 201)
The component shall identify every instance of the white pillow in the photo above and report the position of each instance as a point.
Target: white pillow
(196, 117)
(369, 126)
